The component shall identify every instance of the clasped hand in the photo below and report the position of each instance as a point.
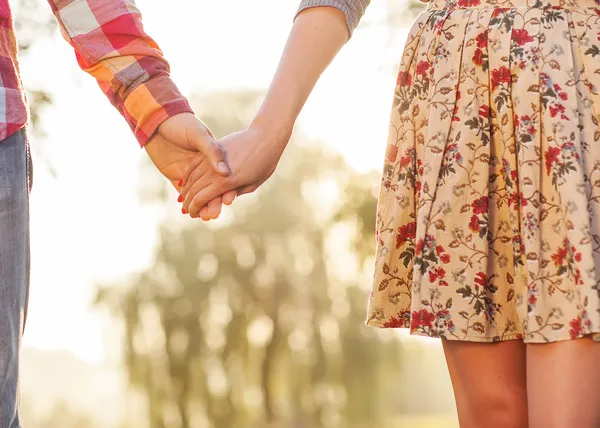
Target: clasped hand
(209, 173)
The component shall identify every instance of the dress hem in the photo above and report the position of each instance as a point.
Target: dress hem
(594, 333)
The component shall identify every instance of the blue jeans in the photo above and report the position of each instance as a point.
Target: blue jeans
(15, 169)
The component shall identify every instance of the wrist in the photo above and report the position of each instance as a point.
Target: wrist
(276, 130)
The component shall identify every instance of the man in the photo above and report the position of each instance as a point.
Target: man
(111, 45)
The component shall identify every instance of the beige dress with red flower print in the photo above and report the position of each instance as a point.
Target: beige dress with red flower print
(488, 223)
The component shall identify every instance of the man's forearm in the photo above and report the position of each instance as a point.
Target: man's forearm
(111, 45)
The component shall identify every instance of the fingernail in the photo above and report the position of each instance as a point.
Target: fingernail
(223, 167)
(180, 198)
(180, 183)
(183, 211)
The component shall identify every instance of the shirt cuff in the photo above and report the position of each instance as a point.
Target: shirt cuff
(150, 104)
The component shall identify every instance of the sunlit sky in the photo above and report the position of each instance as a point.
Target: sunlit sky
(87, 223)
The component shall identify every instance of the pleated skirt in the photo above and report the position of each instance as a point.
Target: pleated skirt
(488, 219)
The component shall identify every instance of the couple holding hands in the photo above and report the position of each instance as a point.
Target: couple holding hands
(488, 219)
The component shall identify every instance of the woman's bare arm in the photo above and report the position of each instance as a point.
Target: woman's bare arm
(316, 37)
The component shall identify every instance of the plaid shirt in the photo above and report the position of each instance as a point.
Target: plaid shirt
(111, 45)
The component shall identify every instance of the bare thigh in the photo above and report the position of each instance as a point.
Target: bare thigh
(563, 382)
(489, 382)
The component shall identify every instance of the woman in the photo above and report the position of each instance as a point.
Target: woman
(488, 234)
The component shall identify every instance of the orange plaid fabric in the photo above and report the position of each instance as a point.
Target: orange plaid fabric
(110, 44)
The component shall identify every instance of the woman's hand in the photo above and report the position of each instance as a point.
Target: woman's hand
(252, 156)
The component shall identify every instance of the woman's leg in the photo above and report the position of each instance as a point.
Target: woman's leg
(490, 384)
(563, 381)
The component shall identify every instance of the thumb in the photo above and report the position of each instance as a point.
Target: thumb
(214, 152)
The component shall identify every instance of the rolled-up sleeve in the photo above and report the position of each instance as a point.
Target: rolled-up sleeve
(110, 44)
(353, 9)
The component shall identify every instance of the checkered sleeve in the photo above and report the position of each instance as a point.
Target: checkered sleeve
(111, 45)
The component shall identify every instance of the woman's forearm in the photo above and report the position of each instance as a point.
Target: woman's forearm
(317, 36)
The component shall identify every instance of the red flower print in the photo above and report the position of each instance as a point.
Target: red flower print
(532, 299)
(478, 57)
(521, 36)
(468, 3)
(392, 153)
(563, 96)
(419, 248)
(445, 258)
(405, 161)
(484, 111)
(439, 249)
(481, 279)
(498, 11)
(432, 276)
(422, 68)
(576, 327)
(443, 284)
(554, 110)
(515, 198)
(474, 224)
(481, 205)
(560, 256)
(501, 75)
(398, 321)
(551, 157)
(482, 39)
(404, 79)
(405, 233)
(423, 318)
(441, 273)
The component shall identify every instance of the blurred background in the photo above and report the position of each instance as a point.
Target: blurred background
(142, 318)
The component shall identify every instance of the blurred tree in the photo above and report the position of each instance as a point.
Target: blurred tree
(249, 323)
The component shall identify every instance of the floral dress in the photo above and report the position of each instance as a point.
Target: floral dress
(488, 221)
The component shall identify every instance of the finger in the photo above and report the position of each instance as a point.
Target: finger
(202, 197)
(201, 171)
(204, 214)
(214, 208)
(229, 197)
(208, 178)
(211, 211)
(189, 168)
(213, 151)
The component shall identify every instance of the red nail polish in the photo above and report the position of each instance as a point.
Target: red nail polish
(180, 198)
(183, 211)
(180, 183)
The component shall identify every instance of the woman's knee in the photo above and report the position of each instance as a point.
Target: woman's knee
(500, 408)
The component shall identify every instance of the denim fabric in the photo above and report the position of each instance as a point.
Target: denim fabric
(15, 163)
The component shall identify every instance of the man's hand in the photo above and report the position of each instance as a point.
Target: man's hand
(187, 132)
(171, 160)
(252, 156)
